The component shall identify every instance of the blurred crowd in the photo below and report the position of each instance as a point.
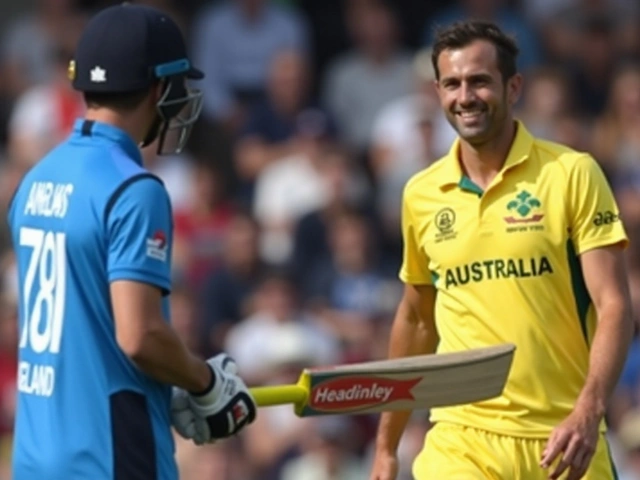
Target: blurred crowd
(287, 199)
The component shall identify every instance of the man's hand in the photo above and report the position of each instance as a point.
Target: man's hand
(182, 417)
(219, 413)
(385, 467)
(576, 439)
(224, 410)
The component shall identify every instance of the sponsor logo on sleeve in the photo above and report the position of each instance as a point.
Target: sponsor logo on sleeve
(157, 246)
(605, 218)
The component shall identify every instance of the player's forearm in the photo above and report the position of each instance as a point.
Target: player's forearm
(608, 353)
(165, 358)
(390, 430)
(410, 335)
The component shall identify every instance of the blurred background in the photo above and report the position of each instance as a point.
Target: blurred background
(287, 199)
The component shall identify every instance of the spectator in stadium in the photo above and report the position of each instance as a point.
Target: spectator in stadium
(347, 189)
(562, 26)
(328, 451)
(29, 44)
(278, 435)
(201, 225)
(44, 114)
(375, 71)
(286, 191)
(500, 12)
(616, 133)
(289, 122)
(351, 289)
(227, 292)
(546, 95)
(593, 63)
(235, 41)
(276, 311)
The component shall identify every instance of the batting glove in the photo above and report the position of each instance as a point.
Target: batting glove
(225, 409)
(182, 417)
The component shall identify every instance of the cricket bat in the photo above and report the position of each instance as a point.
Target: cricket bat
(408, 383)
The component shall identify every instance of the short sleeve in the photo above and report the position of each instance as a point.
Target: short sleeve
(415, 262)
(139, 230)
(594, 217)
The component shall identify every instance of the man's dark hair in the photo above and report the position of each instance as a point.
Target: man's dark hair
(124, 102)
(462, 34)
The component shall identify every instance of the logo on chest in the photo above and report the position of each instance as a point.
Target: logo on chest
(525, 213)
(445, 221)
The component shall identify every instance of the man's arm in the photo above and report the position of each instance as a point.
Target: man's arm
(606, 280)
(575, 440)
(150, 342)
(413, 333)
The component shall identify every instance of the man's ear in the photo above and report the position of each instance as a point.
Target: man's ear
(514, 88)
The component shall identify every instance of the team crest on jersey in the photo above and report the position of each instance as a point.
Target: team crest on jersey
(157, 246)
(525, 213)
(445, 221)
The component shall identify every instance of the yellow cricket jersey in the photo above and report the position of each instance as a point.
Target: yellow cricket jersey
(504, 263)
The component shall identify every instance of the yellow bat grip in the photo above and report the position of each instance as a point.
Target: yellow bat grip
(279, 395)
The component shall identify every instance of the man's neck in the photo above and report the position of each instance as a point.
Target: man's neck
(129, 124)
(482, 163)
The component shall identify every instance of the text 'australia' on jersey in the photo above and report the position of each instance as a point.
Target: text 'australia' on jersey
(86, 215)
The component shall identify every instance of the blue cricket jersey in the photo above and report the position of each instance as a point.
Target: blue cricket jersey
(86, 215)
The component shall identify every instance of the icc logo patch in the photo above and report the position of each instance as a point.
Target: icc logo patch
(445, 221)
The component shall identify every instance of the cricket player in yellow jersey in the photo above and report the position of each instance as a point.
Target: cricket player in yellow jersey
(510, 238)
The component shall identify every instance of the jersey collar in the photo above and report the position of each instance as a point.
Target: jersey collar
(520, 149)
(109, 133)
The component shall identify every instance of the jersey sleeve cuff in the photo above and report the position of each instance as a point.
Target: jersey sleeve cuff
(143, 276)
(602, 242)
(415, 280)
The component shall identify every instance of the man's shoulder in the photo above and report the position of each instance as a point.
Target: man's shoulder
(101, 170)
(108, 162)
(428, 177)
(563, 155)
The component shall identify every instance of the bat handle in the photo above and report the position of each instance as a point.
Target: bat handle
(278, 395)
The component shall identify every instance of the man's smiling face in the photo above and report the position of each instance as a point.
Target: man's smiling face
(473, 93)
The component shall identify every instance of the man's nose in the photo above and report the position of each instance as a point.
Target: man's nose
(467, 94)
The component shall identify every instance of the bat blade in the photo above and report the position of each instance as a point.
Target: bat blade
(409, 383)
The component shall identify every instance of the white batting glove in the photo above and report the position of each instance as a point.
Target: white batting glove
(182, 417)
(226, 409)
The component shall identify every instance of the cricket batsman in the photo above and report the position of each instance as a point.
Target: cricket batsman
(92, 233)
